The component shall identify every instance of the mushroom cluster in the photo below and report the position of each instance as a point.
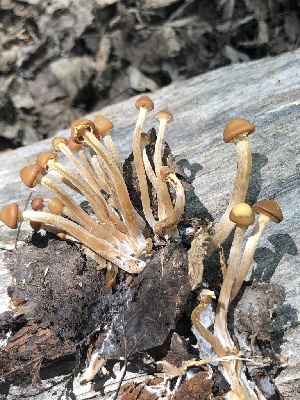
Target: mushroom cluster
(116, 234)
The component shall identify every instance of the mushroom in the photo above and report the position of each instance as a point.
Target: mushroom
(103, 126)
(242, 215)
(144, 104)
(236, 131)
(11, 215)
(165, 208)
(172, 220)
(268, 210)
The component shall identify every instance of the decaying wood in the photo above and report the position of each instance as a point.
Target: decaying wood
(265, 92)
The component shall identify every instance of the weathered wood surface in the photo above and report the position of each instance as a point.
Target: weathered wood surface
(266, 92)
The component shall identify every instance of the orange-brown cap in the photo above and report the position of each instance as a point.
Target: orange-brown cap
(73, 146)
(37, 203)
(146, 102)
(43, 159)
(9, 215)
(80, 127)
(269, 208)
(29, 173)
(57, 141)
(55, 205)
(164, 114)
(242, 214)
(36, 226)
(236, 127)
(102, 125)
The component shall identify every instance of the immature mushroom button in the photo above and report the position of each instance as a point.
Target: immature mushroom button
(236, 131)
(37, 203)
(243, 216)
(268, 210)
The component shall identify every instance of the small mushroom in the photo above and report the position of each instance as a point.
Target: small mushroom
(144, 104)
(172, 220)
(103, 127)
(242, 215)
(237, 132)
(165, 208)
(268, 210)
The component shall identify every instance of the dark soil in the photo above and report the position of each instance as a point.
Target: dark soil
(60, 60)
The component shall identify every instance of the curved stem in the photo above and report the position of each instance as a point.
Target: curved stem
(224, 227)
(221, 330)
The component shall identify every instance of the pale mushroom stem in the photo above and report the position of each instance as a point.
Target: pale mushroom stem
(224, 227)
(126, 206)
(109, 144)
(240, 389)
(106, 216)
(221, 330)
(137, 149)
(165, 207)
(79, 215)
(171, 221)
(83, 171)
(248, 254)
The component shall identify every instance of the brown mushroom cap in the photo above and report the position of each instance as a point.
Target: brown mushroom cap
(102, 124)
(242, 214)
(57, 141)
(29, 173)
(73, 145)
(43, 158)
(236, 127)
(269, 208)
(36, 226)
(55, 205)
(79, 127)
(145, 137)
(37, 203)
(9, 215)
(164, 114)
(146, 102)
